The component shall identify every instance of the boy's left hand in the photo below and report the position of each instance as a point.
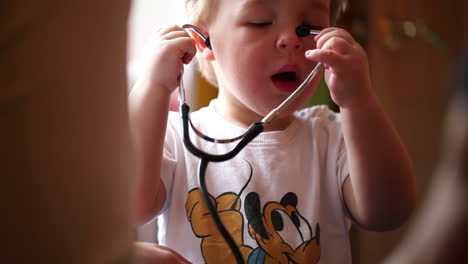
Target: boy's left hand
(346, 66)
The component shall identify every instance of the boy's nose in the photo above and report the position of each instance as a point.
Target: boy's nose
(289, 41)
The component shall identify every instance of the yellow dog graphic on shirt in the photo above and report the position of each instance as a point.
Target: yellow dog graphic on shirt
(281, 233)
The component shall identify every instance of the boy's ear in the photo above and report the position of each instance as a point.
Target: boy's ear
(202, 48)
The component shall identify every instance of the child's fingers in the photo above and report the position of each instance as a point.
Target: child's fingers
(328, 33)
(335, 31)
(164, 37)
(324, 31)
(166, 30)
(149, 253)
(175, 34)
(337, 44)
(326, 56)
(180, 39)
(331, 39)
(176, 255)
(186, 48)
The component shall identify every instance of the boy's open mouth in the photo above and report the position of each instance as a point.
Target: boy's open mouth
(285, 77)
(286, 81)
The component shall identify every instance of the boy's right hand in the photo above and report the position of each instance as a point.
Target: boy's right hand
(149, 253)
(164, 56)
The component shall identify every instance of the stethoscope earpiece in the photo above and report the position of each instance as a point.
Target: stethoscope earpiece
(304, 31)
(199, 33)
(208, 43)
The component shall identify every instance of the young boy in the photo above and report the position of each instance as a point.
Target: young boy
(290, 196)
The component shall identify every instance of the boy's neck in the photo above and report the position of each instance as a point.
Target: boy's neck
(244, 117)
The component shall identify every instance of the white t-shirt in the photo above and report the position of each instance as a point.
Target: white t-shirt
(280, 197)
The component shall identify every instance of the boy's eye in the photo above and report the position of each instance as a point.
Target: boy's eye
(260, 24)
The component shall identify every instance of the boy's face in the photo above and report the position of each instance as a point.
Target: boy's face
(258, 57)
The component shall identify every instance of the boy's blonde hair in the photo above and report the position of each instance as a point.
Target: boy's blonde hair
(200, 12)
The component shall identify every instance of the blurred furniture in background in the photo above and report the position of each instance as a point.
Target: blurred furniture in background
(414, 49)
(439, 231)
(65, 152)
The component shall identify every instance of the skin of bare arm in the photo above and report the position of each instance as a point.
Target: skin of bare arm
(380, 190)
(165, 54)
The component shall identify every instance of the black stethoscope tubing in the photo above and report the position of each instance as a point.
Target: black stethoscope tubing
(205, 157)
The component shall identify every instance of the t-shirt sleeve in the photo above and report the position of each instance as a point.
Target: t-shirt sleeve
(342, 169)
(336, 146)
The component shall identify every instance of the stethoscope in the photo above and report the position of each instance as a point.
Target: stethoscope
(254, 130)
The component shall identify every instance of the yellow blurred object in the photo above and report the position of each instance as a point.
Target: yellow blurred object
(205, 91)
